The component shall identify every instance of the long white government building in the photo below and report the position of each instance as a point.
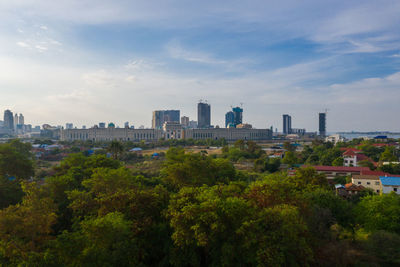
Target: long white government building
(169, 131)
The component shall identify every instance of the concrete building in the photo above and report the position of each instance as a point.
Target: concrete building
(352, 158)
(203, 115)
(111, 133)
(287, 124)
(161, 116)
(322, 124)
(390, 184)
(369, 179)
(171, 130)
(192, 124)
(335, 138)
(185, 121)
(69, 126)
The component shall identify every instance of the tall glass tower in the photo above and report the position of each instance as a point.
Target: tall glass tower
(203, 115)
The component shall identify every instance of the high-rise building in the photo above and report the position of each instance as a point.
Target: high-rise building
(15, 120)
(8, 120)
(69, 126)
(102, 125)
(238, 112)
(287, 124)
(185, 121)
(203, 115)
(229, 119)
(126, 124)
(322, 124)
(21, 119)
(161, 116)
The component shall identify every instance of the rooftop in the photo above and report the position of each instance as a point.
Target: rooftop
(341, 168)
(390, 180)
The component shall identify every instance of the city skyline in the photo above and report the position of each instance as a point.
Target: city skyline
(116, 61)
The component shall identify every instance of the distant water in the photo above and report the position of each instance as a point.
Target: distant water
(351, 136)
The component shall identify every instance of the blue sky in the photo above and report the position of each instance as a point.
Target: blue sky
(91, 61)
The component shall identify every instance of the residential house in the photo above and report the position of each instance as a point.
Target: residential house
(390, 184)
(335, 171)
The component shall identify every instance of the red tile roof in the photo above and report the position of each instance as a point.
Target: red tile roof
(341, 168)
(350, 149)
(378, 173)
(353, 187)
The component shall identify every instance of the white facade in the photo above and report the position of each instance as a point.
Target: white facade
(335, 138)
(169, 131)
(368, 181)
(350, 161)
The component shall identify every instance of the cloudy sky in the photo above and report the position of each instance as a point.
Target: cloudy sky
(86, 61)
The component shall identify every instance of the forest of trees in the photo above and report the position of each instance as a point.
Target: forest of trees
(196, 210)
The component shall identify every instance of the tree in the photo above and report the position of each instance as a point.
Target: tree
(116, 149)
(289, 158)
(194, 169)
(100, 241)
(388, 155)
(366, 163)
(338, 162)
(380, 212)
(288, 146)
(14, 162)
(26, 228)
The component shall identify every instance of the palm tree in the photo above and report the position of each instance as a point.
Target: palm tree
(116, 149)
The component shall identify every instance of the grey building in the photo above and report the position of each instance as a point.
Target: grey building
(8, 120)
(171, 130)
(287, 124)
(161, 116)
(203, 115)
(322, 124)
(185, 121)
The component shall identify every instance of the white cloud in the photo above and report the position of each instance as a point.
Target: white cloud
(23, 44)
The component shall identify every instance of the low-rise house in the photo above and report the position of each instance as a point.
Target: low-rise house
(369, 179)
(353, 189)
(352, 158)
(335, 171)
(390, 184)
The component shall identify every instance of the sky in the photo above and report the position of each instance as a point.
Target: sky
(91, 61)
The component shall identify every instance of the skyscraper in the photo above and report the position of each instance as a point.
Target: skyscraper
(161, 116)
(8, 120)
(203, 115)
(238, 112)
(229, 119)
(21, 119)
(287, 124)
(69, 126)
(102, 125)
(15, 120)
(322, 124)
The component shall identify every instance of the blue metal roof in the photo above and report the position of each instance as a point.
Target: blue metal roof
(390, 180)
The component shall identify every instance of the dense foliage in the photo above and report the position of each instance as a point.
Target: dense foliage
(193, 210)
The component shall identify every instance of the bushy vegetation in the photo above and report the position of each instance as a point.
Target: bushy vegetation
(188, 209)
